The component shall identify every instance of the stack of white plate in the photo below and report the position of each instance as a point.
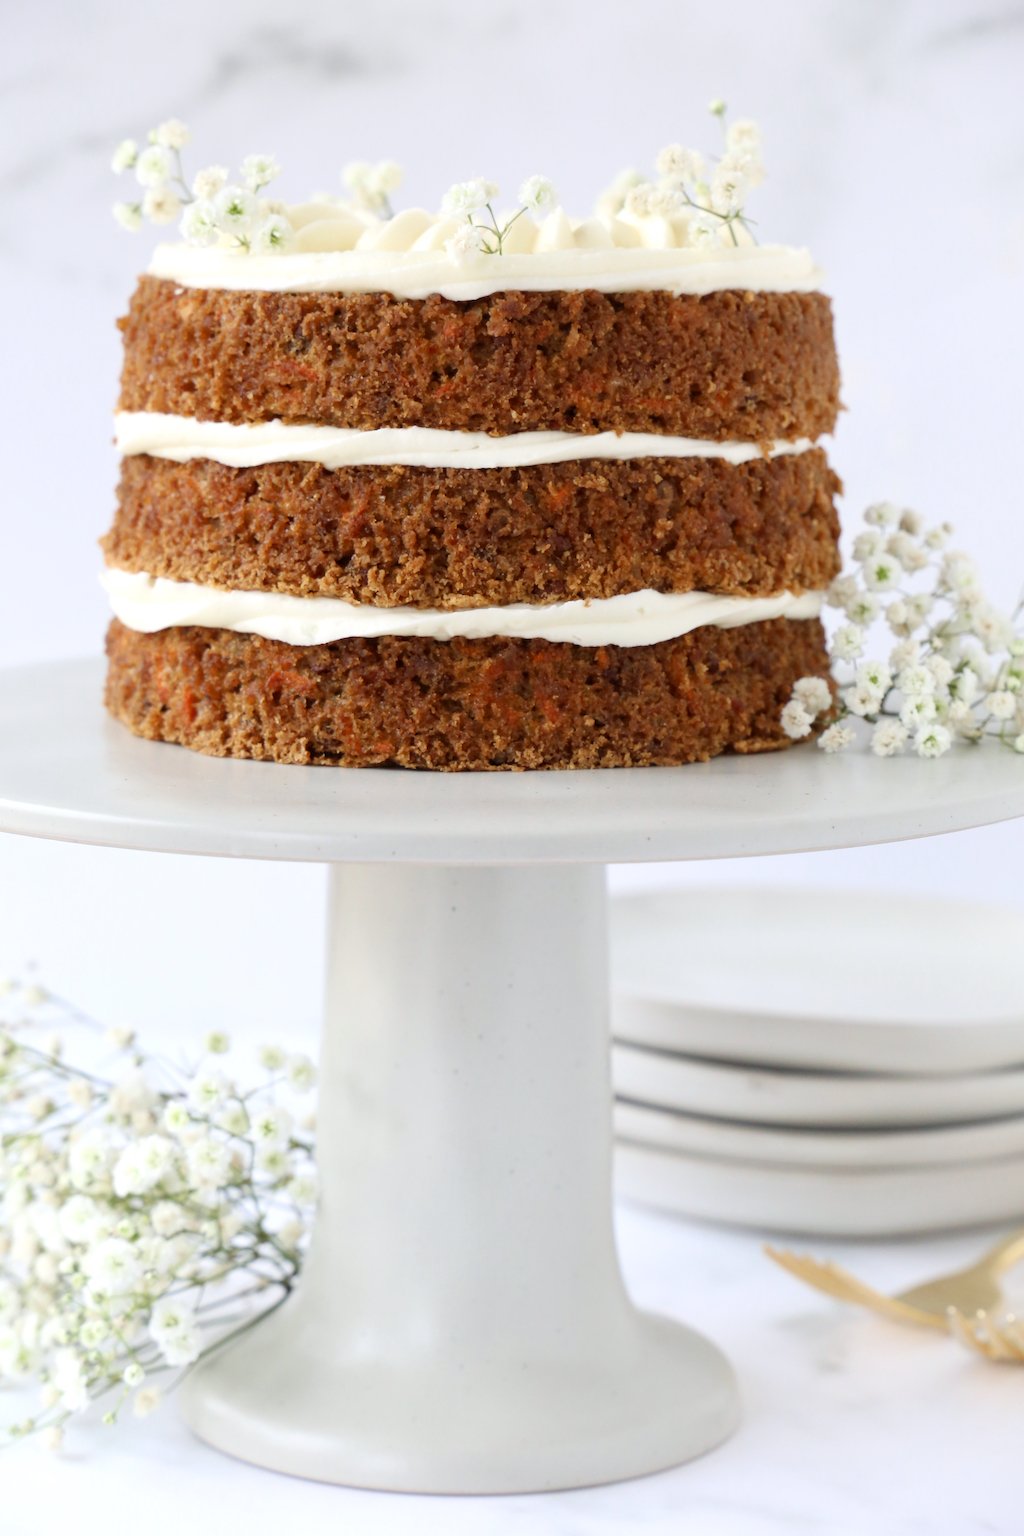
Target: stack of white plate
(825, 1062)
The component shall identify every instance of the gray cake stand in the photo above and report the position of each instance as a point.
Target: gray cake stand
(462, 1324)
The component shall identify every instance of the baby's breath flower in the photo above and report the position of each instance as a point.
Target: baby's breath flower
(874, 675)
(258, 171)
(234, 209)
(932, 741)
(910, 554)
(848, 642)
(835, 738)
(273, 1058)
(937, 538)
(176, 1118)
(882, 514)
(612, 200)
(916, 680)
(958, 573)
(217, 1042)
(537, 194)
(469, 240)
(143, 1165)
(796, 722)
(941, 670)
(153, 166)
(301, 1073)
(199, 224)
(863, 608)
(209, 181)
(918, 608)
(112, 1266)
(639, 200)
(704, 229)
(729, 186)
(371, 185)
(882, 573)
(146, 1401)
(1001, 705)
(814, 694)
(125, 156)
(209, 1162)
(868, 544)
(161, 206)
(888, 738)
(743, 137)
(172, 134)
(274, 233)
(862, 700)
(209, 1090)
(174, 1331)
(1018, 743)
(272, 1126)
(468, 196)
(842, 591)
(918, 711)
(386, 176)
(680, 164)
(717, 107)
(129, 216)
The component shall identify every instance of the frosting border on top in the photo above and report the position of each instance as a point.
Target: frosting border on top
(411, 274)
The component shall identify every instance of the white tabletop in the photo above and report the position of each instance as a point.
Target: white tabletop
(68, 771)
(851, 1425)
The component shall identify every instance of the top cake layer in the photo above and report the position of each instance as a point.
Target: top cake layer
(727, 365)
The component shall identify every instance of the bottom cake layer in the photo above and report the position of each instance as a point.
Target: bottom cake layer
(463, 704)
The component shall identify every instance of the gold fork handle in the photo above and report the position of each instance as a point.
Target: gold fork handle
(1004, 1254)
(842, 1286)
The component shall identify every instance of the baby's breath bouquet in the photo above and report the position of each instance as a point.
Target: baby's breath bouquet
(920, 655)
(150, 1208)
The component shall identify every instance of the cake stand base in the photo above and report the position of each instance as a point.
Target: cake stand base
(462, 1325)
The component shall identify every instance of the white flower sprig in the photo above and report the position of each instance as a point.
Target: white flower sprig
(712, 195)
(479, 236)
(371, 185)
(952, 666)
(147, 1212)
(213, 208)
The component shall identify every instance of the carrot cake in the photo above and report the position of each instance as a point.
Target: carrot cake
(457, 492)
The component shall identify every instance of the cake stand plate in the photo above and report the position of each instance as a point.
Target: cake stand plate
(462, 1325)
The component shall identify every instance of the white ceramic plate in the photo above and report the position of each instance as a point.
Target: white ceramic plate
(850, 980)
(920, 1147)
(781, 1096)
(845, 1203)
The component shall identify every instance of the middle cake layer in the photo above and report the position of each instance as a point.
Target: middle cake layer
(443, 537)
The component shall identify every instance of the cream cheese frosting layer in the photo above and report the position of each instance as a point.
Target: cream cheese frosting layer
(151, 603)
(415, 274)
(245, 445)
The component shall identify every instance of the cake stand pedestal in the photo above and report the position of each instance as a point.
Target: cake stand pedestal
(462, 1324)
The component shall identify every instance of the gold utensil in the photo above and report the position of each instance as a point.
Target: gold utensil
(1002, 1340)
(968, 1291)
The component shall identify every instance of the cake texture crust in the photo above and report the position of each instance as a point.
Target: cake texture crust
(463, 704)
(455, 538)
(728, 365)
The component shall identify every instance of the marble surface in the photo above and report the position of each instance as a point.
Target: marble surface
(852, 1425)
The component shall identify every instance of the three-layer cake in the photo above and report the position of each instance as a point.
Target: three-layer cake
(560, 507)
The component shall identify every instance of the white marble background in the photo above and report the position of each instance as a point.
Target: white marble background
(895, 140)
